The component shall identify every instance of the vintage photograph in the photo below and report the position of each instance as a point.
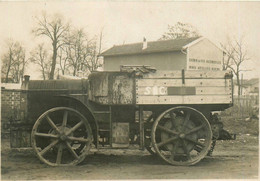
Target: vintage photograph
(115, 90)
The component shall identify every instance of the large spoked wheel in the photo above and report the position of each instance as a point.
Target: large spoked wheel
(61, 136)
(181, 136)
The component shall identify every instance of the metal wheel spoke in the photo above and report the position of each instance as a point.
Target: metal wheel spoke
(74, 128)
(52, 144)
(78, 139)
(198, 149)
(173, 151)
(195, 129)
(52, 124)
(59, 155)
(46, 135)
(72, 151)
(167, 130)
(173, 116)
(167, 141)
(65, 118)
(184, 146)
(194, 141)
(187, 118)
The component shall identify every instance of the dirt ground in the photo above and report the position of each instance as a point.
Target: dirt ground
(234, 159)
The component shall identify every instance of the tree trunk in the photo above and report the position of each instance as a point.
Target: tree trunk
(238, 85)
(7, 73)
(74, 70)
(43, 74)
(22, 71)
(54, 57)
(9, 66)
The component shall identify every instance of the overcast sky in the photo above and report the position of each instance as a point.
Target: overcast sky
(128, 22)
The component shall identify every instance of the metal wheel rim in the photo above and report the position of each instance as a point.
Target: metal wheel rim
(150, 150)
(201, 154)
(83, 122)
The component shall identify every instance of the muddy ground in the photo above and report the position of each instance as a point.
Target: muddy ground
(235, 159)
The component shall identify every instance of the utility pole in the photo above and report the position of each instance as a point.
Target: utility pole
(241, 89)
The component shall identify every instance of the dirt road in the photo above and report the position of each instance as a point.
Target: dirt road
(236, 159)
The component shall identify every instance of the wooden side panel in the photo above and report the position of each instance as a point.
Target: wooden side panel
(191, 74)
(120, 89)
(143, 90)
(194, 99)
(197, 87)
(111, 88)
(100, 85)
(188, 82)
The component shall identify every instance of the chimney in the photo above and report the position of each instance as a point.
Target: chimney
(144, 44)
(26, 77)
(25, 82)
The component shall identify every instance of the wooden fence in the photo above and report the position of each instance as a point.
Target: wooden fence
(244, 106)
(246, 101)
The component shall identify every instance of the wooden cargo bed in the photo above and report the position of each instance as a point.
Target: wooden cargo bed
(189, 87)
(161, 87)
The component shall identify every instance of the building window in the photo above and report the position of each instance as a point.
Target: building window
(205, 61)
(192, 67)
(213, 68)
(203, 68)
(213, 62)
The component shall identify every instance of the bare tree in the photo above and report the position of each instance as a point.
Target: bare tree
(55, 29)
(180, 30)
(18, 63)
(235, 55)
(228, 53)
(39, 56)
(82, 52)
(63, 57)
(76, 43)
(13, 61)
(7, 60)
(94, 48)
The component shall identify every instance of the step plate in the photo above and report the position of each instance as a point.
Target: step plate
(120, 135)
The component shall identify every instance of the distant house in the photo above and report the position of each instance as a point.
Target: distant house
(10, 85)
(10, 104)
(248, 87)
(9, 80)
(189, 54)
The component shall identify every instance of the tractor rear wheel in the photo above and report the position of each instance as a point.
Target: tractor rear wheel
(181, 136)
(61, 136)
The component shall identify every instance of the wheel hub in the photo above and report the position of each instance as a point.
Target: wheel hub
(179, 127)
(182, 135)
(63, 137)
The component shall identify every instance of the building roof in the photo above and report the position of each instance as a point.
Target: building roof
(250, 82)
(152, 47)
(11, 86)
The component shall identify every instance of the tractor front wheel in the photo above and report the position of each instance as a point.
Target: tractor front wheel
(61, 136)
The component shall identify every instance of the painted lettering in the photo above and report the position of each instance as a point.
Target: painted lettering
(155, 90)
(147, 91)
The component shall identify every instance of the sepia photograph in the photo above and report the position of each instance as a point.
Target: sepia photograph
(116, 90)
